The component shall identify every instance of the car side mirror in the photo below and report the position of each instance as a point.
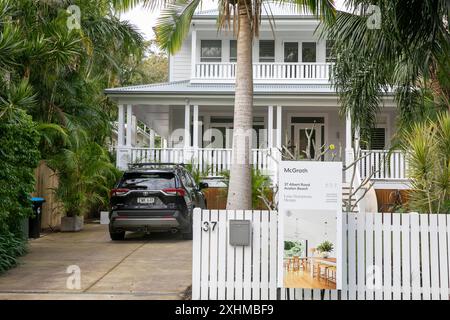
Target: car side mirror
(203, 185)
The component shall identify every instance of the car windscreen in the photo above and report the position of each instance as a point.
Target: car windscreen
(148, 181)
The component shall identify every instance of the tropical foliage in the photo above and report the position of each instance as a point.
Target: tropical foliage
(261, 187)
(19, 156)
(427, 147)
(400, 46)
(54, 66)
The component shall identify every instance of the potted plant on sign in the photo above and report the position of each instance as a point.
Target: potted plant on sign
(325, 248)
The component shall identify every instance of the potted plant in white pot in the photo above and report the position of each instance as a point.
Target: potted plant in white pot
(325, 249)
(85, 174)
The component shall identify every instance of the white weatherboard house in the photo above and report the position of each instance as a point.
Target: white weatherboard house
(292, 94)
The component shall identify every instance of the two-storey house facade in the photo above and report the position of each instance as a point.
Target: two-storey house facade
(293, 95)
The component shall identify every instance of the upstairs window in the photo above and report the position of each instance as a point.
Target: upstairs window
(308, 52)
(378, 138)
(329, 51)
(291, 52)
(266, 51)
(233, 51)
(211, 51)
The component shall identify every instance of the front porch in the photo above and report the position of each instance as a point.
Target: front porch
(194, 124)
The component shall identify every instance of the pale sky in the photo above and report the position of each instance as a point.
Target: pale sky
(145, 20)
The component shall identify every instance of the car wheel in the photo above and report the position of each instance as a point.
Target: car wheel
(117, 236)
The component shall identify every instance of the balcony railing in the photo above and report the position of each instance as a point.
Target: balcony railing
(212, 162)
(266, 72)
(376, 164)
(383, 165)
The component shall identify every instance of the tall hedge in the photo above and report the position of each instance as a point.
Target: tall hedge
(19, 156)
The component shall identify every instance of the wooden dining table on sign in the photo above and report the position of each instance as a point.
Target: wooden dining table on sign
(326, 261)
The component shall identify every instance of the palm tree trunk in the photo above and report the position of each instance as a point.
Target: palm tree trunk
(240, 186)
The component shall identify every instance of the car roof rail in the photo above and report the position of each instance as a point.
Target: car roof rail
(154, 165)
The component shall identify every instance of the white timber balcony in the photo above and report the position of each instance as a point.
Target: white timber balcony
(383, 165)
(225, 72)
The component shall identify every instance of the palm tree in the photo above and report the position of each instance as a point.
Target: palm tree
(409, 53)
(244, 17)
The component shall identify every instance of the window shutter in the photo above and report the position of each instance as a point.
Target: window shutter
(266, 51)
(378, 139)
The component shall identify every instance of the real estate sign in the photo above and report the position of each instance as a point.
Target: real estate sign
(310, 209)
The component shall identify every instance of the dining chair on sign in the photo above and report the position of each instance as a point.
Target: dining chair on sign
(296, 266)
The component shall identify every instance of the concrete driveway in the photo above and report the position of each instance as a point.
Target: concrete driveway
(153, 267)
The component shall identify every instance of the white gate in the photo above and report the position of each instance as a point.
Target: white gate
(406, 256)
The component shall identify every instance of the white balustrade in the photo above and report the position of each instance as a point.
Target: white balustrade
(212, 162)
(265, 71)
(383, 164)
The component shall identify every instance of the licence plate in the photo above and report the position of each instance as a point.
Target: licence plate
(145, 200)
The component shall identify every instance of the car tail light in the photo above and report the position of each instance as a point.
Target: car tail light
(175, 191)
(118, 192)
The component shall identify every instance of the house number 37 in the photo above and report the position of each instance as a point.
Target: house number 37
(209, 226)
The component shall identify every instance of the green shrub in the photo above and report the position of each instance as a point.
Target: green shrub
(427, 147)
(19, 156)
(86, 176)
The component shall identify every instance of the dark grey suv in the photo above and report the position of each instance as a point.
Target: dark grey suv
(154, 198)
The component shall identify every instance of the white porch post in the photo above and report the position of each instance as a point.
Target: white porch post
(187, 129)
(129, 124)
(270, 127)
(122, 156)
(121, 125)
(152, 138)
(279, 127)
(195, 155)
(193, 52)
(196, 127)
(349, 155)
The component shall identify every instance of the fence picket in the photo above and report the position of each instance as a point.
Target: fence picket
(434, 258)
(264, 255)
(370, 294)
(273, 272)
(360, 257)
(239, 264)
(222, 263)
(415, 257)
(378, 268)
(406, 257)
(396, 257)
(256, 275)
(213, 251)
(425, 256)
(230, 261)
(443, 252)
(387, 256)
(352, 257)
(196, 253)
(248, 262)
(204, 277)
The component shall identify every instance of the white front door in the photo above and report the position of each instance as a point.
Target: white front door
(301, 133)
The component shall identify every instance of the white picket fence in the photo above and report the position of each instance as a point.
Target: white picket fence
(385, 257)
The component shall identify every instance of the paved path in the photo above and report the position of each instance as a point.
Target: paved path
(153, 267)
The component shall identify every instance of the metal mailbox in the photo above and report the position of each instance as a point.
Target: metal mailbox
(240, 232)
